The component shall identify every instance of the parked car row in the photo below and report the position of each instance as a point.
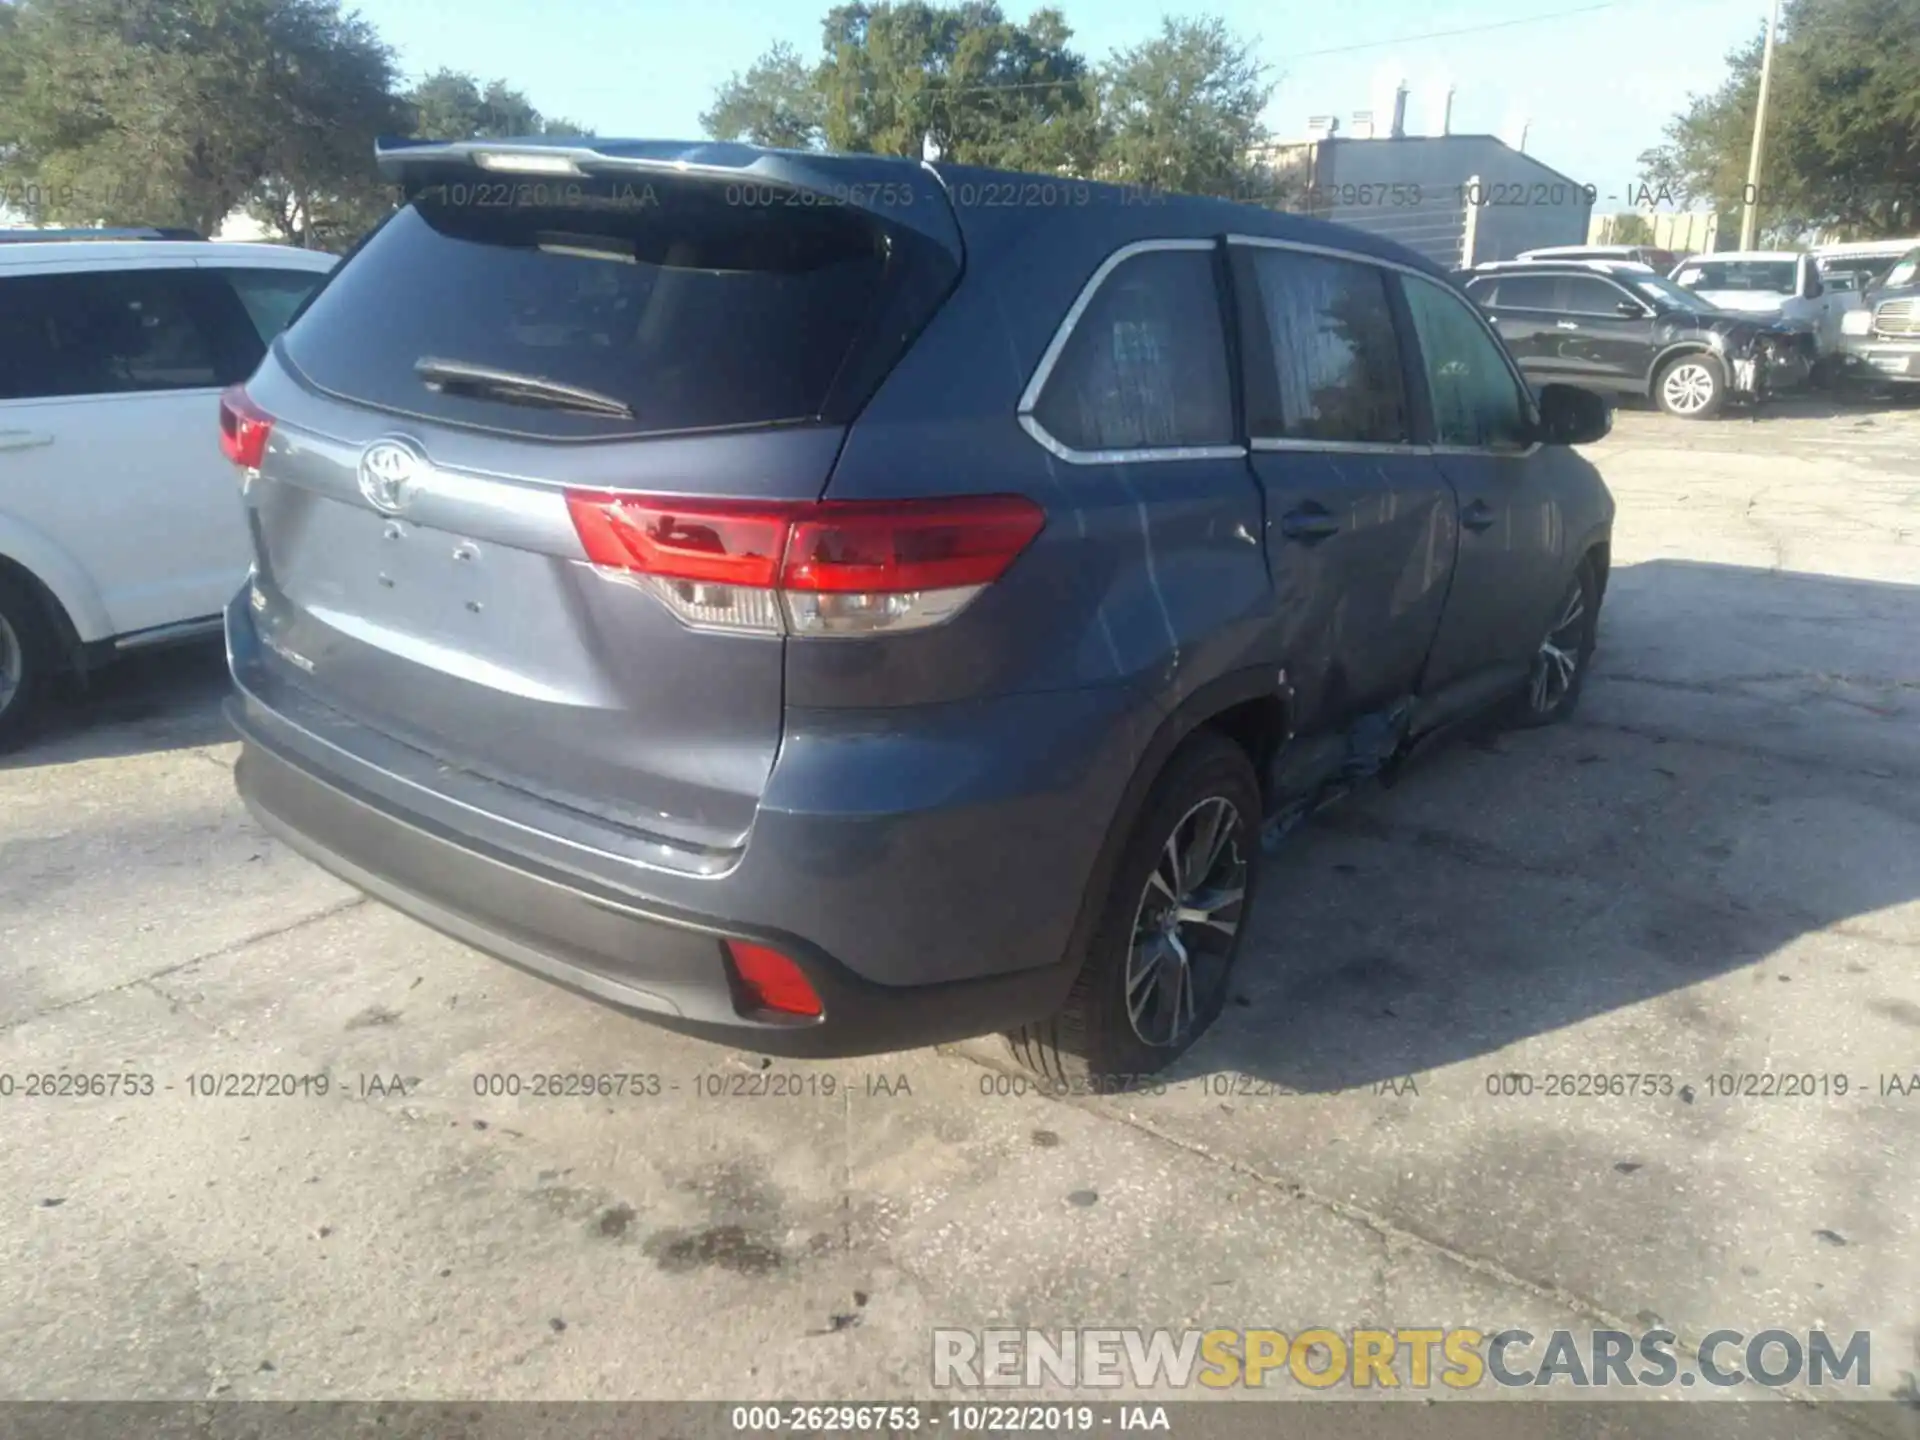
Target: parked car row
(826, 627)
(1727, 326)
(1620, 328)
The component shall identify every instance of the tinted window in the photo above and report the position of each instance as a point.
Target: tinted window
(271, 296)
(1324, 359)
(1475, 399)
(1588, 296)
(660, 296)
(108, 333)
(1146, 366)
(1527, 292)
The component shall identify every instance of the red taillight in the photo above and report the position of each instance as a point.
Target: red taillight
(771, 981)
(837, 567)
(244, 428)
(724, 544)
(918, 545)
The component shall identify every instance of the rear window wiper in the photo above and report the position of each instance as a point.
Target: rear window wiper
(459, 376)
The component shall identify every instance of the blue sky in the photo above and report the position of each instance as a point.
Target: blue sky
(1595, 86)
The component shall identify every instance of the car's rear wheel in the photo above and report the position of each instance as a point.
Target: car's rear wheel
(1694, 386)
(26, 662)
(1157, 969)
(1560, 664)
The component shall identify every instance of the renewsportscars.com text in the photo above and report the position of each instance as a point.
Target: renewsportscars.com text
(1417, 1358)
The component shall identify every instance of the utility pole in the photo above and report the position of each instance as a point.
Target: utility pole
(1750, 210)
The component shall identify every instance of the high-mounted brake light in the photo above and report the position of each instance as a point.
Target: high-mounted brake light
(525, 162)
(770, 981)
(808, 567)
(244, 428)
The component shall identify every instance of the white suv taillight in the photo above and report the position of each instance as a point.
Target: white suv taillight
(821, 567)
(244, 428)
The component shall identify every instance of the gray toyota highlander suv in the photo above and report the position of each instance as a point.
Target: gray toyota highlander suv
(834, 603)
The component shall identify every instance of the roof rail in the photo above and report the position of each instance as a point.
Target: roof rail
(131, 232)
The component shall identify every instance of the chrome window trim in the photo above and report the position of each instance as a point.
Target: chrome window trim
(1037, 383)
(1486, 450)
(1262, 444)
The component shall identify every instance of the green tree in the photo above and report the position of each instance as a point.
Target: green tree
(180, 111)
(1843, 124)
(1182, 111)
(453, 105)
(984, 89)
(774, 102)
(1632, 228)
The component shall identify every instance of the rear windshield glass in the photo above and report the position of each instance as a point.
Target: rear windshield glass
(663, 298)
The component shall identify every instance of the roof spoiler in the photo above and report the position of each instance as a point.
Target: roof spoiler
(903, 192)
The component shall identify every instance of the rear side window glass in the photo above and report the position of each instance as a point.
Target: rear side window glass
(1527, 292)
(662, 298)
(1588, 296)
(1324, 355)
(1476, 401)
(1145, 367)
(107, 333)
(271, 296)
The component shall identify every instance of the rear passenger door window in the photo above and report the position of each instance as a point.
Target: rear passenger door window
(1586, 295)
(1322, 356)
(1477, 402)
(109, 333)
(1144, 368)
(1527, 292)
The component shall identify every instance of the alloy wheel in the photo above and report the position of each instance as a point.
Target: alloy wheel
(1688, 388)
(1558, 661)
(13, 664)
(1186, 921)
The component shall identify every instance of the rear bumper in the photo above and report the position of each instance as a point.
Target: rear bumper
(668, 968)
(850, 898)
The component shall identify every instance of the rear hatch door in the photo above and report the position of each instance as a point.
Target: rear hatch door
(699, 323)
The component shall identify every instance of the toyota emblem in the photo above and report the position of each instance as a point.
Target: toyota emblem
(389, 469)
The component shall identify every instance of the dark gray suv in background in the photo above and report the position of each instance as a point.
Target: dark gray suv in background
(834, 603)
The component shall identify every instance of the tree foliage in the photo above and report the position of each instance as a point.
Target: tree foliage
(1183, 110)
(180, 112)
(774, 102)
(1180, 111)
(1843, 124)
(453, 105)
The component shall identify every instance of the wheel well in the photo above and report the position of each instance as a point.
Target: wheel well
(51, 610)
(1667, 357)
(1260, 727)
(1601, 555)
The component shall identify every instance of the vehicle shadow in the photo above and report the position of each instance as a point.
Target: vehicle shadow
(1742, 773)
(163, 700)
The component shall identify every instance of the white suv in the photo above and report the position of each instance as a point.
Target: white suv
(119, 523)
(1782, 283)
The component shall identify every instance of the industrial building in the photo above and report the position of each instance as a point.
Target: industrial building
(1456, 199)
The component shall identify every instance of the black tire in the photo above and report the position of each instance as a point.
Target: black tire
(1094, 1035)
(1573, 636)
(1710, 383)
(27, 655)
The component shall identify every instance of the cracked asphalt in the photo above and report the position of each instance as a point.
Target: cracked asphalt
(1714, 872)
